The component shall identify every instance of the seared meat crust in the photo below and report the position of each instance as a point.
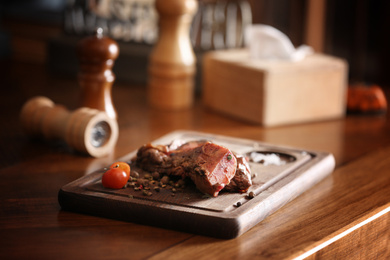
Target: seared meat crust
(210, 166)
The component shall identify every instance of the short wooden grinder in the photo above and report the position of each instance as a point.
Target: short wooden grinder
(86, 130)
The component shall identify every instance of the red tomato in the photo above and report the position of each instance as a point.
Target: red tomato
(115, 178)
(124, 166)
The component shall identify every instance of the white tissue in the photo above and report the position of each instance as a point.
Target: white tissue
(267, 42)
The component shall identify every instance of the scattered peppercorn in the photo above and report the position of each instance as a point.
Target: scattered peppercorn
(251, 195)
(181, 183)
(134, 174)
(146, 193)
(165, 180)
(156, 175)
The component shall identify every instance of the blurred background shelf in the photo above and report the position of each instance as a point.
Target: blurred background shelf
(35, 31)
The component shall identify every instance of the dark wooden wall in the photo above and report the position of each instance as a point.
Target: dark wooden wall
(287, 16)
(356, 30)
(359, 31)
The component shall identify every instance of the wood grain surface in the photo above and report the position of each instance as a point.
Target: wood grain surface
(345, 216)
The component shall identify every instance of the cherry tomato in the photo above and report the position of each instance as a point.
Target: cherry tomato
(124, 166)
(115, 178)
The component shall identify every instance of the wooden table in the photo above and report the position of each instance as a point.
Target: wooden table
(345, 216)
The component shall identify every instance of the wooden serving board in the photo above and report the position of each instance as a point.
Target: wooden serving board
(227, 216)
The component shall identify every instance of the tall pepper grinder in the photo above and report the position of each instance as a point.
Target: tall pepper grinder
(96, 55)
(172, 60)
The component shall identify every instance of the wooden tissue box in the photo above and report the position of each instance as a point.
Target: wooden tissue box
(274, 93)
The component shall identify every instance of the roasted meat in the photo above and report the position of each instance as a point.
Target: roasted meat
(242, 179)
(210, 166)
(154, 158)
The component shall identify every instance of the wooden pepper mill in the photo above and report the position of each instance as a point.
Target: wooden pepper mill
(86, 130)
(172, 61)
(96, 55)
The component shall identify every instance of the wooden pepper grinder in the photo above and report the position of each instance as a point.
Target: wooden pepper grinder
(86, 130)
(172, 61)
(96, 55)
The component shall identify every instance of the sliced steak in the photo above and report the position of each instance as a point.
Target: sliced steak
(210, 166)
(242, 179)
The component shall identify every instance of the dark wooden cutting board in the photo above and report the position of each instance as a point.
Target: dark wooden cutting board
(227, 216)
